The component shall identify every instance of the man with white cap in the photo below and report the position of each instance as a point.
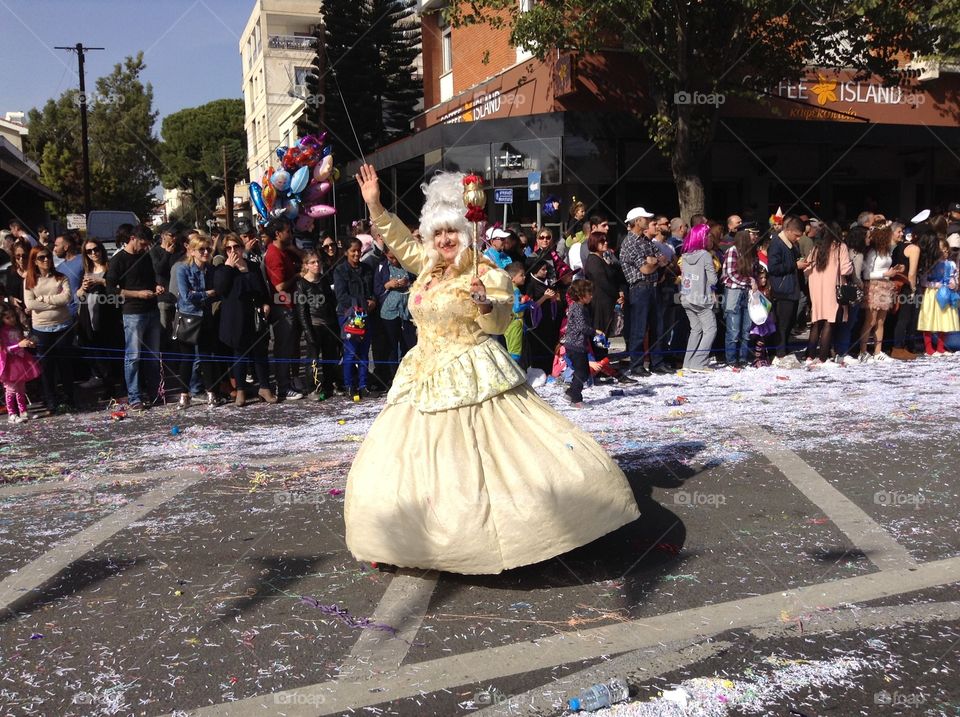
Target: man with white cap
(495, 253)
(641, 260)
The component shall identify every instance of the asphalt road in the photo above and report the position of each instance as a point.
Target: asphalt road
(797, 554)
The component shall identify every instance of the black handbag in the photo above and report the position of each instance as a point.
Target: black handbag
(186, 328)
(847, 294)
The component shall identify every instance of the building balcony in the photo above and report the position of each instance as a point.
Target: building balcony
(291, 42)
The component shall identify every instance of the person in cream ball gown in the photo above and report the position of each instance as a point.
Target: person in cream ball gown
(436, 484)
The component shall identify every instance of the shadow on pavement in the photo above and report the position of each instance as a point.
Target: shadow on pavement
(80, 575)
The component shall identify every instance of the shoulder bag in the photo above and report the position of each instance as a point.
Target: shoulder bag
(848, 294)
(186, 328)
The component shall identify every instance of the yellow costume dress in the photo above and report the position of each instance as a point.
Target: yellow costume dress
(467, 469)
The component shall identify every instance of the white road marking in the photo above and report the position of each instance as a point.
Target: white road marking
(480, 666)
(402, 606)
(864, 532)
(37, 572)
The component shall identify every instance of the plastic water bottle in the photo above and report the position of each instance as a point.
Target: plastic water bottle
(600, 696)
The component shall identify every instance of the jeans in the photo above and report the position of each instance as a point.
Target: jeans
(356, 350)
(737, 316)
(644, 314)
(286, 344)
(141, 333)
(401, 336)
(843, 331)
(54, 349)
(906, 325)
(703, 330)
(581, 372)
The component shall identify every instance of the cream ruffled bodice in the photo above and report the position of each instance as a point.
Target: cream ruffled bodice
(455, 362)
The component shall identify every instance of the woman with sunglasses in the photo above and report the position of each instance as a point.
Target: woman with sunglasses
(17, 272)
(195, 298)
(99, 319)
(46, 294)
(244, 312)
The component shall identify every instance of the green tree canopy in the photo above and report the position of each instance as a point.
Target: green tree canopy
(123, 149)
(730, 47)
(194, 141)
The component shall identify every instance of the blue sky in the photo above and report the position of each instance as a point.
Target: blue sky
(190, 48)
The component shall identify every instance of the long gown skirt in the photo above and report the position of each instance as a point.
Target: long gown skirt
(482, 488)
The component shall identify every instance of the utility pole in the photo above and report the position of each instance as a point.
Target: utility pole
(227, 191)
(80, 49)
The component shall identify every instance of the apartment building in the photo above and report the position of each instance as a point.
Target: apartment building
(276, 49)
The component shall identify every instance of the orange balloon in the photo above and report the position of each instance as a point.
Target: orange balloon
(269, 194)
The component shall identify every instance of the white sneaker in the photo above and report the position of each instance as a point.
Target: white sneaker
(865, 358)
(811, 362)
(292, 395)
(790, 361)
(831, 364)
(847, 361)
(776, 363)
(880, 357)
(12, 418)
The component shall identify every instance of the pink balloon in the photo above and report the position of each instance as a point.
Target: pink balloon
(323, 170)
(304, 223)
(319, 211)
(314, 192)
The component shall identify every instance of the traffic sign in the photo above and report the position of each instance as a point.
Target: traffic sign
(503, 196)
(533, 187)
(77, 221)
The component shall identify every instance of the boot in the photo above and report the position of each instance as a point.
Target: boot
(241, 398)
(213, 400)
(184, 401)
(267, 395)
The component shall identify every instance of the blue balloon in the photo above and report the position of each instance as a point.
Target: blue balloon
(327, 150)
(300, 179)
(292, 210)
(256, 197)
(281, 151)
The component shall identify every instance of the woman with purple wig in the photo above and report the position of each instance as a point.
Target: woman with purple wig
(698, 281)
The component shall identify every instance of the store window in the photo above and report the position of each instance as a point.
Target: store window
(446, 46)
(513, 161)
(473, 158)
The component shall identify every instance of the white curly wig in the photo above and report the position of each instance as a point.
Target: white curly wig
(443, 208)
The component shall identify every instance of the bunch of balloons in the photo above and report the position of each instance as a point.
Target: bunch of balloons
(295, 190)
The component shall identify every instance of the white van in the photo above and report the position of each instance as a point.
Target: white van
(103, 225)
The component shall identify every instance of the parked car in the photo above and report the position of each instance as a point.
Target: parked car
(102, 224)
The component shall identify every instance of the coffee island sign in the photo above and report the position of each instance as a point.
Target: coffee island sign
(837, 99)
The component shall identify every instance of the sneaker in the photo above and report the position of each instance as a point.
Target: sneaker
(831, 364)
(136, 406)
(808, 362)
(292, 395)
(623, 378)
(12, 418)
(639, 371)
(661, 371)
(94, 382)
(880, 357)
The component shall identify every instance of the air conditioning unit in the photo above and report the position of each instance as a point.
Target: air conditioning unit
(923, 70)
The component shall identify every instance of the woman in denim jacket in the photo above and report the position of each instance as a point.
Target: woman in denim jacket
(195, 296)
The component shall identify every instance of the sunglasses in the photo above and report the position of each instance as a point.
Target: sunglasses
(93, 250)
(204, 250)
(43, 257)
(228, 247)
(544, 236)
(329, 246)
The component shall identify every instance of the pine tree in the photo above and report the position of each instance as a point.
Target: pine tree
(363, 75)
(396, 37)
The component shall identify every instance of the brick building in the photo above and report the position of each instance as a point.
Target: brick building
(821, 143)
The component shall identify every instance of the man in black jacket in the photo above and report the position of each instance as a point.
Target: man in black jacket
(131, 276)
(785, 263)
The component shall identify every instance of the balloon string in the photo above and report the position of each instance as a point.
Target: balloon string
(346, 109)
